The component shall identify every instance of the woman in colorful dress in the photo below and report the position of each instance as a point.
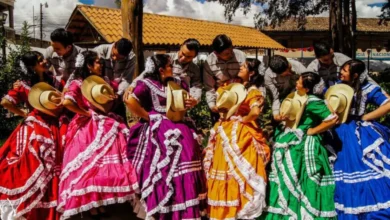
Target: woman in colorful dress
(95, 171)
(237, 154)
(301, 181)
(362, 167)
(30, 160)
(165, 154)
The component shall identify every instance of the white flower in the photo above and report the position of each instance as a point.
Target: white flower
(79, 60)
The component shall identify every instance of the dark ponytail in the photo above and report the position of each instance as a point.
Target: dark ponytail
(256, 79)
(358, 67)
(310, 80)
(89, 60)
(159, 61)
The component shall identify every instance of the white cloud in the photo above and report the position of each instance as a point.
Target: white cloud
(365, 11)
(56, 15)
(211, 11)
(106, 3)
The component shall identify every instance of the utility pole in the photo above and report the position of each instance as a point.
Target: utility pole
(34, 23)
(41, 26)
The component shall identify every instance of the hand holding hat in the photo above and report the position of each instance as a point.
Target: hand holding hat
(292, 109)
(98, 92)
(46, 99)
(229, 99)
(176, 97)
(339, 98)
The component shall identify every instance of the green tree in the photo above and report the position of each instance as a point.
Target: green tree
(9, 73)
(385, 15)
(342, 16)
(118, 3)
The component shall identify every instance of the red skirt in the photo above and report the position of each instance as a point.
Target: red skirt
(30, 163)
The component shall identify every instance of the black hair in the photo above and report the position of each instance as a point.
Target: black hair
(355, 67)
(278, 64)
(89, 59)
(192, 44)
(310, 80)
(256, 79)
(124, 46)
(321, 49)
(221, 42)
(62, 36)
(30, 60)
(159, 61)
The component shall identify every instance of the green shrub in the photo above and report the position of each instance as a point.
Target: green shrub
(9, 73)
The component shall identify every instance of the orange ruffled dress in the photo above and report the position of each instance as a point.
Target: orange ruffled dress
(235, 162)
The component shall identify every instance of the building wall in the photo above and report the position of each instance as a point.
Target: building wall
(364, 40)
(297, 39)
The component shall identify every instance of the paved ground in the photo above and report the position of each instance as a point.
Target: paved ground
(116, 212)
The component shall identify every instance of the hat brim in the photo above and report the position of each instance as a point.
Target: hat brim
(86, 90)
(348, 92)
(303, 100)
(240, 90)
(33, 98)
(171, 114)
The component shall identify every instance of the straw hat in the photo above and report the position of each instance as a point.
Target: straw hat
(339, 97)
(230, 97)
(41, 97)
(292, 107)
(98, 92)
(176, 97)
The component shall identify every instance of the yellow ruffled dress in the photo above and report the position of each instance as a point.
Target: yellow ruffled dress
(235, 161)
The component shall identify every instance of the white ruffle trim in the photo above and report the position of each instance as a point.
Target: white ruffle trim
(297, 132)
(256, 202)
(362, 209)
(10, 99)
(71, 98)
(297, 190)
(68, 213)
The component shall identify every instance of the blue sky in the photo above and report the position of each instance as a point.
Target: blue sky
(87, 2)
(377, 4)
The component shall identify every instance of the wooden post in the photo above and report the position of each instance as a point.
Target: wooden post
(353, 29)
(132, 18)
(127, 10)
(138, 36)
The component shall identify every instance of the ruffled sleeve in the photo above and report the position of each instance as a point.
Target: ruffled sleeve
(141, 91)
(377, 97)
(319, 110)
(254, 98)
(73, 92)
(20, 95)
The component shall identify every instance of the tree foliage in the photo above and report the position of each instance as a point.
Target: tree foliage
(9, 73)
(342, 14)
(275, 12)
(118, 3)
(385, 15)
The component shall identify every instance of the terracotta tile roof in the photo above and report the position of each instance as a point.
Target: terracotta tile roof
(168, 30)
(322, 24)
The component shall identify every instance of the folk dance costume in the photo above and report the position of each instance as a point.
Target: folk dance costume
(167, 157)
(30, 159)
(96, 171)
(301, 181)
(362, 167)
(235, 160)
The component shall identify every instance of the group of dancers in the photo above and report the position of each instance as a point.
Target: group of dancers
(75, 153)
